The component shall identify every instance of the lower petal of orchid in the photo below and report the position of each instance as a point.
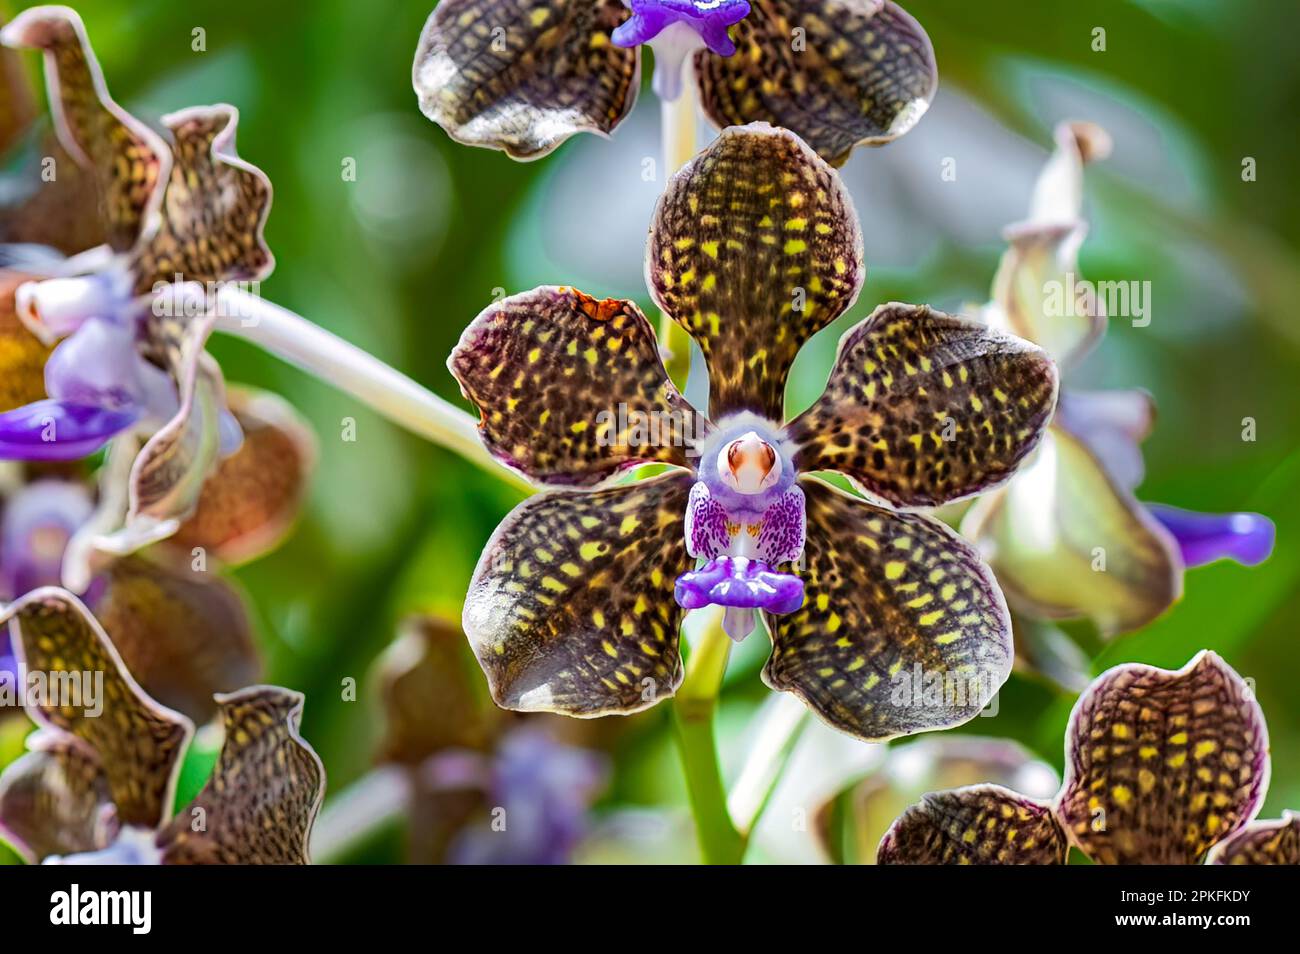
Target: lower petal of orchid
(137, 742)
(1161, 765)
(741, 583)
(524, 77)
(1272, 842)
(56, 430)
(1066, 541)
(902, 629)
(54, 800)
(1205, 537)
(265, 790)
(571, 610)
(838, 74)
(979, 825)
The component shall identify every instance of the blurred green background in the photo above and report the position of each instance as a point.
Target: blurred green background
(400, 260)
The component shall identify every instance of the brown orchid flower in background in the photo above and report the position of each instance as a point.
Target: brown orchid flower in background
(99, 782)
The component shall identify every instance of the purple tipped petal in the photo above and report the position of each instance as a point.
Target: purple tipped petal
(39, 519)
(709, 18)
(100, 365)
(741, 583)
(57, 430)
(1206, 537)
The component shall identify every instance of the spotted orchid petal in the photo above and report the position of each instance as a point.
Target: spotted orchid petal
(54, 800)
(754, 247)
(571, 390)
(129, 161)
(183, 635)
(838, 73)
(22, 354)
(523, 76)
(1205, 537)
(571, 607)
(137, 741)
(1038, 292)
(1272, 842)
(852, 822)
(924, 643)
(56, 430)
(978, 825)
(251, 501)
(923, 408)
(17, 103)
(1067, 542)
(1161, 765)
(214, 208)
(62, 214)
(267, 786)
(1113, 424)
(431, 692)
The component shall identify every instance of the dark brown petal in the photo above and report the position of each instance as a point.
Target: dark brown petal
(754, 247)
(980, 825)
(259, 806)
(1272, 842)
(524, 75)
(923, 408)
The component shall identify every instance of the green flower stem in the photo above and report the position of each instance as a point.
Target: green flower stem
(678, 120)
(693, 710)
(355, 372)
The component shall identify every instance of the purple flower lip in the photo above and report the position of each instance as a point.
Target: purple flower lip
(709, 18)
(52, 430)
(741, 583)
(1205, 537)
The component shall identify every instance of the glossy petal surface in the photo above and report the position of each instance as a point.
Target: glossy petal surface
(902, 628)
(571, 607)
(1161, 765)
(922, 408)
(980, 825)
(839, 73)
(754, 247)
(523, 76)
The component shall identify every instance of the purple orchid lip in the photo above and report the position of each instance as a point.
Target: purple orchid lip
(709, 18)
(1205, 537)
(51, 430)
(740, 583)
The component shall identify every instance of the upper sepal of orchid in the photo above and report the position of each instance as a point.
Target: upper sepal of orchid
(137, 741)
(265, 790)
(128, 159)
(572, 390)
(838, 74)
(1275, 841)
(1160, 764)
(709, 18)
(215, 207)
(523, 78)
(977, 825)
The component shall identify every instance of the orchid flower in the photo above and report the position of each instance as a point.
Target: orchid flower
(1044, 531)
(98, 787)
(577, 600)
(524, 75)
(1162, 767)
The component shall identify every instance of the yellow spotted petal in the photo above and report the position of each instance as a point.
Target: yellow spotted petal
(571, 607)
(754, 247)
(525, 75)
(902, 629)
(1272, 842)
(979, 825)
(922, 408)
(839, 73)
(1161, 765)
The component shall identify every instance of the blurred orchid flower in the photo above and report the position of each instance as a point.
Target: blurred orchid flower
(1072, 504)
(451, 764)
(524, 77)
(1162, 767)
(99, 782)
(754, 248)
